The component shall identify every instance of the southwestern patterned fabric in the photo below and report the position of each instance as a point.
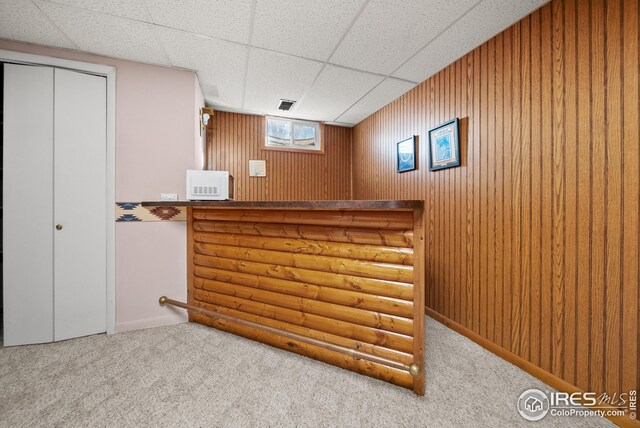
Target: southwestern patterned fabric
(134, 211)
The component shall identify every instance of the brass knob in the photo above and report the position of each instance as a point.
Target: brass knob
(162, 300)
(58, 227)
(414, 369)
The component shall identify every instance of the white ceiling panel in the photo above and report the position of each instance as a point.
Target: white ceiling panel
(224, 19)
(340, 59)
(380, 96)
(23, 21)
(294, 26)
(105, 34)
(220, 65)
(335, 90)
(133, 9)
(482, 23)
(272, 76)
(386, 35)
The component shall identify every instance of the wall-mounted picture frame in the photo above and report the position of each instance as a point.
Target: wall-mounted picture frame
(406, 154)
(444, 146)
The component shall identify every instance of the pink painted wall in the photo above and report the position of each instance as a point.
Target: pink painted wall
(156, 139)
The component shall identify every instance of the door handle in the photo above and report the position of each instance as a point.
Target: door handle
(58, 227)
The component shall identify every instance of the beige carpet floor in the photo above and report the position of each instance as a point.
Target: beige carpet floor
(188, 375)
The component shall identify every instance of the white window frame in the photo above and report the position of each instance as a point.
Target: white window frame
(313, 150)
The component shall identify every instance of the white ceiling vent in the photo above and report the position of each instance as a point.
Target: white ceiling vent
(286, 105)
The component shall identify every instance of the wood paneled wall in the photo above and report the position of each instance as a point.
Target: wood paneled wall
(533, 242)
(233, 139)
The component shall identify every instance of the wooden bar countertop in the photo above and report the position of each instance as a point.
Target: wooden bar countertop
(318, 205)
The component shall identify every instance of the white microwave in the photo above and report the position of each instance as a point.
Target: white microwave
(209, 185)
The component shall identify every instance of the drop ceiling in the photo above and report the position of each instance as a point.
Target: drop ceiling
(341, 60)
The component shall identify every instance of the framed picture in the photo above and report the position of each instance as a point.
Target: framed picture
(444, 146)
(406, 154)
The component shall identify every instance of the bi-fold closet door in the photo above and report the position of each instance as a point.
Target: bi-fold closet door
(54, 204)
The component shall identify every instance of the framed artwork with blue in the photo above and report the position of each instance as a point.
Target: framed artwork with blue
(444, 146)
(406, 154)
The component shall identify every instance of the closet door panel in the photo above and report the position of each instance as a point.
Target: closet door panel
(80, 204)
(28, 205)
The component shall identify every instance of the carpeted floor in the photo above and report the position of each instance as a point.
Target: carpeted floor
(188, 375)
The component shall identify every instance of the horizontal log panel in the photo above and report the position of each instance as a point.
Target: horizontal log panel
(387, 237)
(376, 270)
(370, 286)
(308, 306)
(367, 368)
(315, 334)
(305, 246)
(378, 219)
(370, 335)
(353, 299)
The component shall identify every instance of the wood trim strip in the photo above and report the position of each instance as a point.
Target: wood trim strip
(377, 219)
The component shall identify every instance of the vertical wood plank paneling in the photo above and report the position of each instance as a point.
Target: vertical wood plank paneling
(570, 202)
(598, 202)
(491, 191)
(477, 162)
(525, 206)
(533, 241)
(233, 139)
(583, 320)
(516, 194)
(499, 193)
(536, 189)
(613, 115)
(631, 201)
(507, 195)
(546, 186)
(557, 179)
(483, 186)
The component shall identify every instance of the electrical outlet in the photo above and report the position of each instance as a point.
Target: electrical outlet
(168, 196)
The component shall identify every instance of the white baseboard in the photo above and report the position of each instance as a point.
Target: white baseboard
(151, 322)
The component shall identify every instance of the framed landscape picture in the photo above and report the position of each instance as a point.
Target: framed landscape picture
(444, 146)
(406, 154)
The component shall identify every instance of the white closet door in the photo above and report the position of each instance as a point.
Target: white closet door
(28, 204)
(80, 186)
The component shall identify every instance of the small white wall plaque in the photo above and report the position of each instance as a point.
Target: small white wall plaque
(257, 168)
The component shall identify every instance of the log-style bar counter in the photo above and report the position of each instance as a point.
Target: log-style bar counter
(318, 278)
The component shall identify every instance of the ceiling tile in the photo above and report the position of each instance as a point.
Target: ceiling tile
(380, 96)
(387, 33)
(220, 65)
(272, 76)
(133, 9)
(310, 29)
(223, 19)
(105, 34)
(23, 21)
(335, 90)
(482, 23)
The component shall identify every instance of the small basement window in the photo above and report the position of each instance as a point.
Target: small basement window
(292, 135)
